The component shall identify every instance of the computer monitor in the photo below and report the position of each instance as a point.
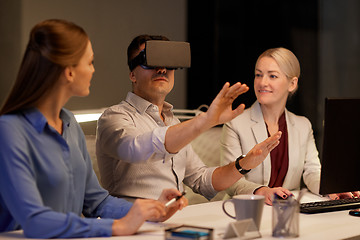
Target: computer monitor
(340, 171)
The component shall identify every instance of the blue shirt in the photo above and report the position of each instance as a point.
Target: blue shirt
(47, 180)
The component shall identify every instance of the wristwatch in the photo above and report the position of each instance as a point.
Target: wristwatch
(239, 168)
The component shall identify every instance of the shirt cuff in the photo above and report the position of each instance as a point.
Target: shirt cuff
(158, 139)
(102, 227)
(208, 190)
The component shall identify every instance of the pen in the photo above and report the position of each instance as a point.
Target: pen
(174, 199)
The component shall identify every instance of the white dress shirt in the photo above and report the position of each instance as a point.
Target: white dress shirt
(132, 158)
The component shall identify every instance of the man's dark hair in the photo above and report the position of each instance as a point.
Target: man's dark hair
(138, 41)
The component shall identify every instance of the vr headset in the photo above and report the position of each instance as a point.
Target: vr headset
(158, 53)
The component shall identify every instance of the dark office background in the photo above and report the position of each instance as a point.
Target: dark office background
(226, 37)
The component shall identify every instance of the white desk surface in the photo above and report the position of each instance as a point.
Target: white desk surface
(333, 225)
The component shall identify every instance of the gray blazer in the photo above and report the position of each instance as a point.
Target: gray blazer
(249, 129)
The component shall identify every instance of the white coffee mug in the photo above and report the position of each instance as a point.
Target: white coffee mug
(247, 206)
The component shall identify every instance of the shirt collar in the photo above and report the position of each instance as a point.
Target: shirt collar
(142, 105)
(38, 120)
(65, 116)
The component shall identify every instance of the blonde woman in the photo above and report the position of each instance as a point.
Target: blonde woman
(277, 73)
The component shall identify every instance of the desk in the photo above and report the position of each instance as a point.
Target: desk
(333, 225)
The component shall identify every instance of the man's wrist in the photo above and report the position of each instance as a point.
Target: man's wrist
(204, 121)
(238, 166)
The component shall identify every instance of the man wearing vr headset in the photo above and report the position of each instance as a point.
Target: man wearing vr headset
(143, 148)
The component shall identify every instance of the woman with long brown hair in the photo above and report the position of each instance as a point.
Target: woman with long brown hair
(46, 175)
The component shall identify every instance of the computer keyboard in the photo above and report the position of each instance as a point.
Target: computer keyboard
(330, 205)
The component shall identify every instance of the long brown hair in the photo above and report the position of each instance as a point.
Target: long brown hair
(54, 44)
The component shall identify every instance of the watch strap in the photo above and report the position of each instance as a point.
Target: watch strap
(239, 168)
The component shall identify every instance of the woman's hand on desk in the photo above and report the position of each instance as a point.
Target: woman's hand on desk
(269, 193)
(148, 210)
(142, 210)
(335, 196)
(166, 196)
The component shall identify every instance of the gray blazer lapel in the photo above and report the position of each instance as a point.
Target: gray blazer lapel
(293, 147)
(258, 126)
(260, 133)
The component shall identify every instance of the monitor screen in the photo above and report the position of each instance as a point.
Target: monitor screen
(340, 160)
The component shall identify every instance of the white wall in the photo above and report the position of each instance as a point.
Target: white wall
(111, 25)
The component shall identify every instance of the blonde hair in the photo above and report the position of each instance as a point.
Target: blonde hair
(287, 61)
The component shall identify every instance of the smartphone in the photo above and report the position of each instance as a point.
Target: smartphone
(189, 232)
(355, 212)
